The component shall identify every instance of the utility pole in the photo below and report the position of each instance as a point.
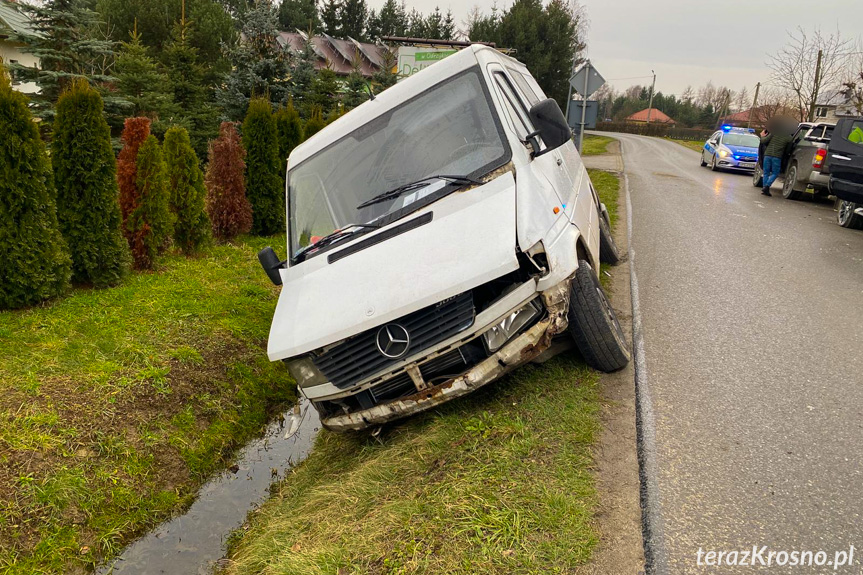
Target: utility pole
(754, 105)
(817, 87)
(724, 109)
(650, 105)
(583, 108)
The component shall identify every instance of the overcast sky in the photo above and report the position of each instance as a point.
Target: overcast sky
(688, 42)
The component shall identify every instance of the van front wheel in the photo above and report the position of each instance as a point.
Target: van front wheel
(593, 323)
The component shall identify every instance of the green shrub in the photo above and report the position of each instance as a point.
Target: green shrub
(315, 123)
(187, 191)
(151, 221)
(227, 204)
(264, 184)
(290, 130)
(86, 180)
(36, 263)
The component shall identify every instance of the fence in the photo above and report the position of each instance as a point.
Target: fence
(657, 130)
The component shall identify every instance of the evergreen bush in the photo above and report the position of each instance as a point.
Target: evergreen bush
(227, 205)
(187, 191)
(264, 184)
(151, 222)
(85, 176)
(36, 263)
(135, 131)
(290, 130)
(314, 124)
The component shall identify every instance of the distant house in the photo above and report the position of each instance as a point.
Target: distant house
(656, 117)
(757, 117)
(13, 25)
(336, 53)
(832, 105)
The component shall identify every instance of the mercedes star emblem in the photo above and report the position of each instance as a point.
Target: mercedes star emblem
(393, 340)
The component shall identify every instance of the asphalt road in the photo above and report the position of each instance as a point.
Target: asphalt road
(752, 313)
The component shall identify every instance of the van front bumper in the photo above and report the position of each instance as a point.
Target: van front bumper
(523, 348)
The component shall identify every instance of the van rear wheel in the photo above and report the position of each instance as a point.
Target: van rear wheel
(847, 218)
(593, 323)
(608, 252)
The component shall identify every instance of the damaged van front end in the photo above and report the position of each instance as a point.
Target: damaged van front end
(435, 234)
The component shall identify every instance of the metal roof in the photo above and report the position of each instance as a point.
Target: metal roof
(12, 21)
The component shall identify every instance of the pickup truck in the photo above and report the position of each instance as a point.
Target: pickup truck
(844, 164)
(439, 235)
(803, 164)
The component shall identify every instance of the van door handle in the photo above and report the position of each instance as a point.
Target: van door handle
(838, 157)
(559, 161)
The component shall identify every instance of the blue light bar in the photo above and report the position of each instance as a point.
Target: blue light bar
(726, 128)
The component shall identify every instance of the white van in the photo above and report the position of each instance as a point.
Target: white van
(439, 236)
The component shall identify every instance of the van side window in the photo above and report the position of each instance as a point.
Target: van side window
(514, 105)
(523, 86)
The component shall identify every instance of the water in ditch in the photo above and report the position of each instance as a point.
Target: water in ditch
(192, 543)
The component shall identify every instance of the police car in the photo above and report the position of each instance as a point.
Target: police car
(732, 149)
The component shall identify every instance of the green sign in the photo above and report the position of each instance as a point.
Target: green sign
(433, 56)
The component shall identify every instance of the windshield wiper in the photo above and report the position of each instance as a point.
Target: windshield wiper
(336, 236)
(403, 189)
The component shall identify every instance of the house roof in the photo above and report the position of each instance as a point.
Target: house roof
(655, 116)
(12, 21)
(831, 98)
(336, 53)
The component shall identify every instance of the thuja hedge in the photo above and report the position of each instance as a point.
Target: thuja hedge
(151, 222)
(227, 205)
(36, 263)
(86, 182)
(187, 191)
(264, 185)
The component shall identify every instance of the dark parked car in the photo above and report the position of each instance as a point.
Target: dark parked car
(845, 165)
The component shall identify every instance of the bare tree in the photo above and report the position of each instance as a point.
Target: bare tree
(852, 87)
(706, 95)
(808, 64)
(773, 101)
(743, 100)
(688, 95)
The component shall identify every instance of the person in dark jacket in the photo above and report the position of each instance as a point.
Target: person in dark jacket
(776, 138)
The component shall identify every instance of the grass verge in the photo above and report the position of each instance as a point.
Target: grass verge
(595, 145)
(498, 482)
(116, 404)
(607, 185)
(692, 145)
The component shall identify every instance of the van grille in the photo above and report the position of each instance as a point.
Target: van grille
(358, 356)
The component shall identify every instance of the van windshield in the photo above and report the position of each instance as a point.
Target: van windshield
(449, 129)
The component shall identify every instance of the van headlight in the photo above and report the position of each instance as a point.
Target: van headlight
(305, 373)
(501, 333)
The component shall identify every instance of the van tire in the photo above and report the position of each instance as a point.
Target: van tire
(608, 252)
(593, 323)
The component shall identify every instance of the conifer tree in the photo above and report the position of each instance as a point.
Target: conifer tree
(302, 77)
(260, 65)
(187, 88)
(314, 124)
(85, 176)
(325, 90)
(299, 15)
(356, 90)
(65, 39)
(331, 17)
(290, 130)
(141, 82)
(151, 222)
(227, 205)
(36, 263)
(187, 192)
(353, 19)
(264, 184)
(135, 131)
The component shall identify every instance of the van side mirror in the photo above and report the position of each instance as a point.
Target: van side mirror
(271, 264)
(551, 125)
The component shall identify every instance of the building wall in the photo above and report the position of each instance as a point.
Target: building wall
(13, 52)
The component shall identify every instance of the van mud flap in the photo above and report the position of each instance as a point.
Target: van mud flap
(520, 350)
